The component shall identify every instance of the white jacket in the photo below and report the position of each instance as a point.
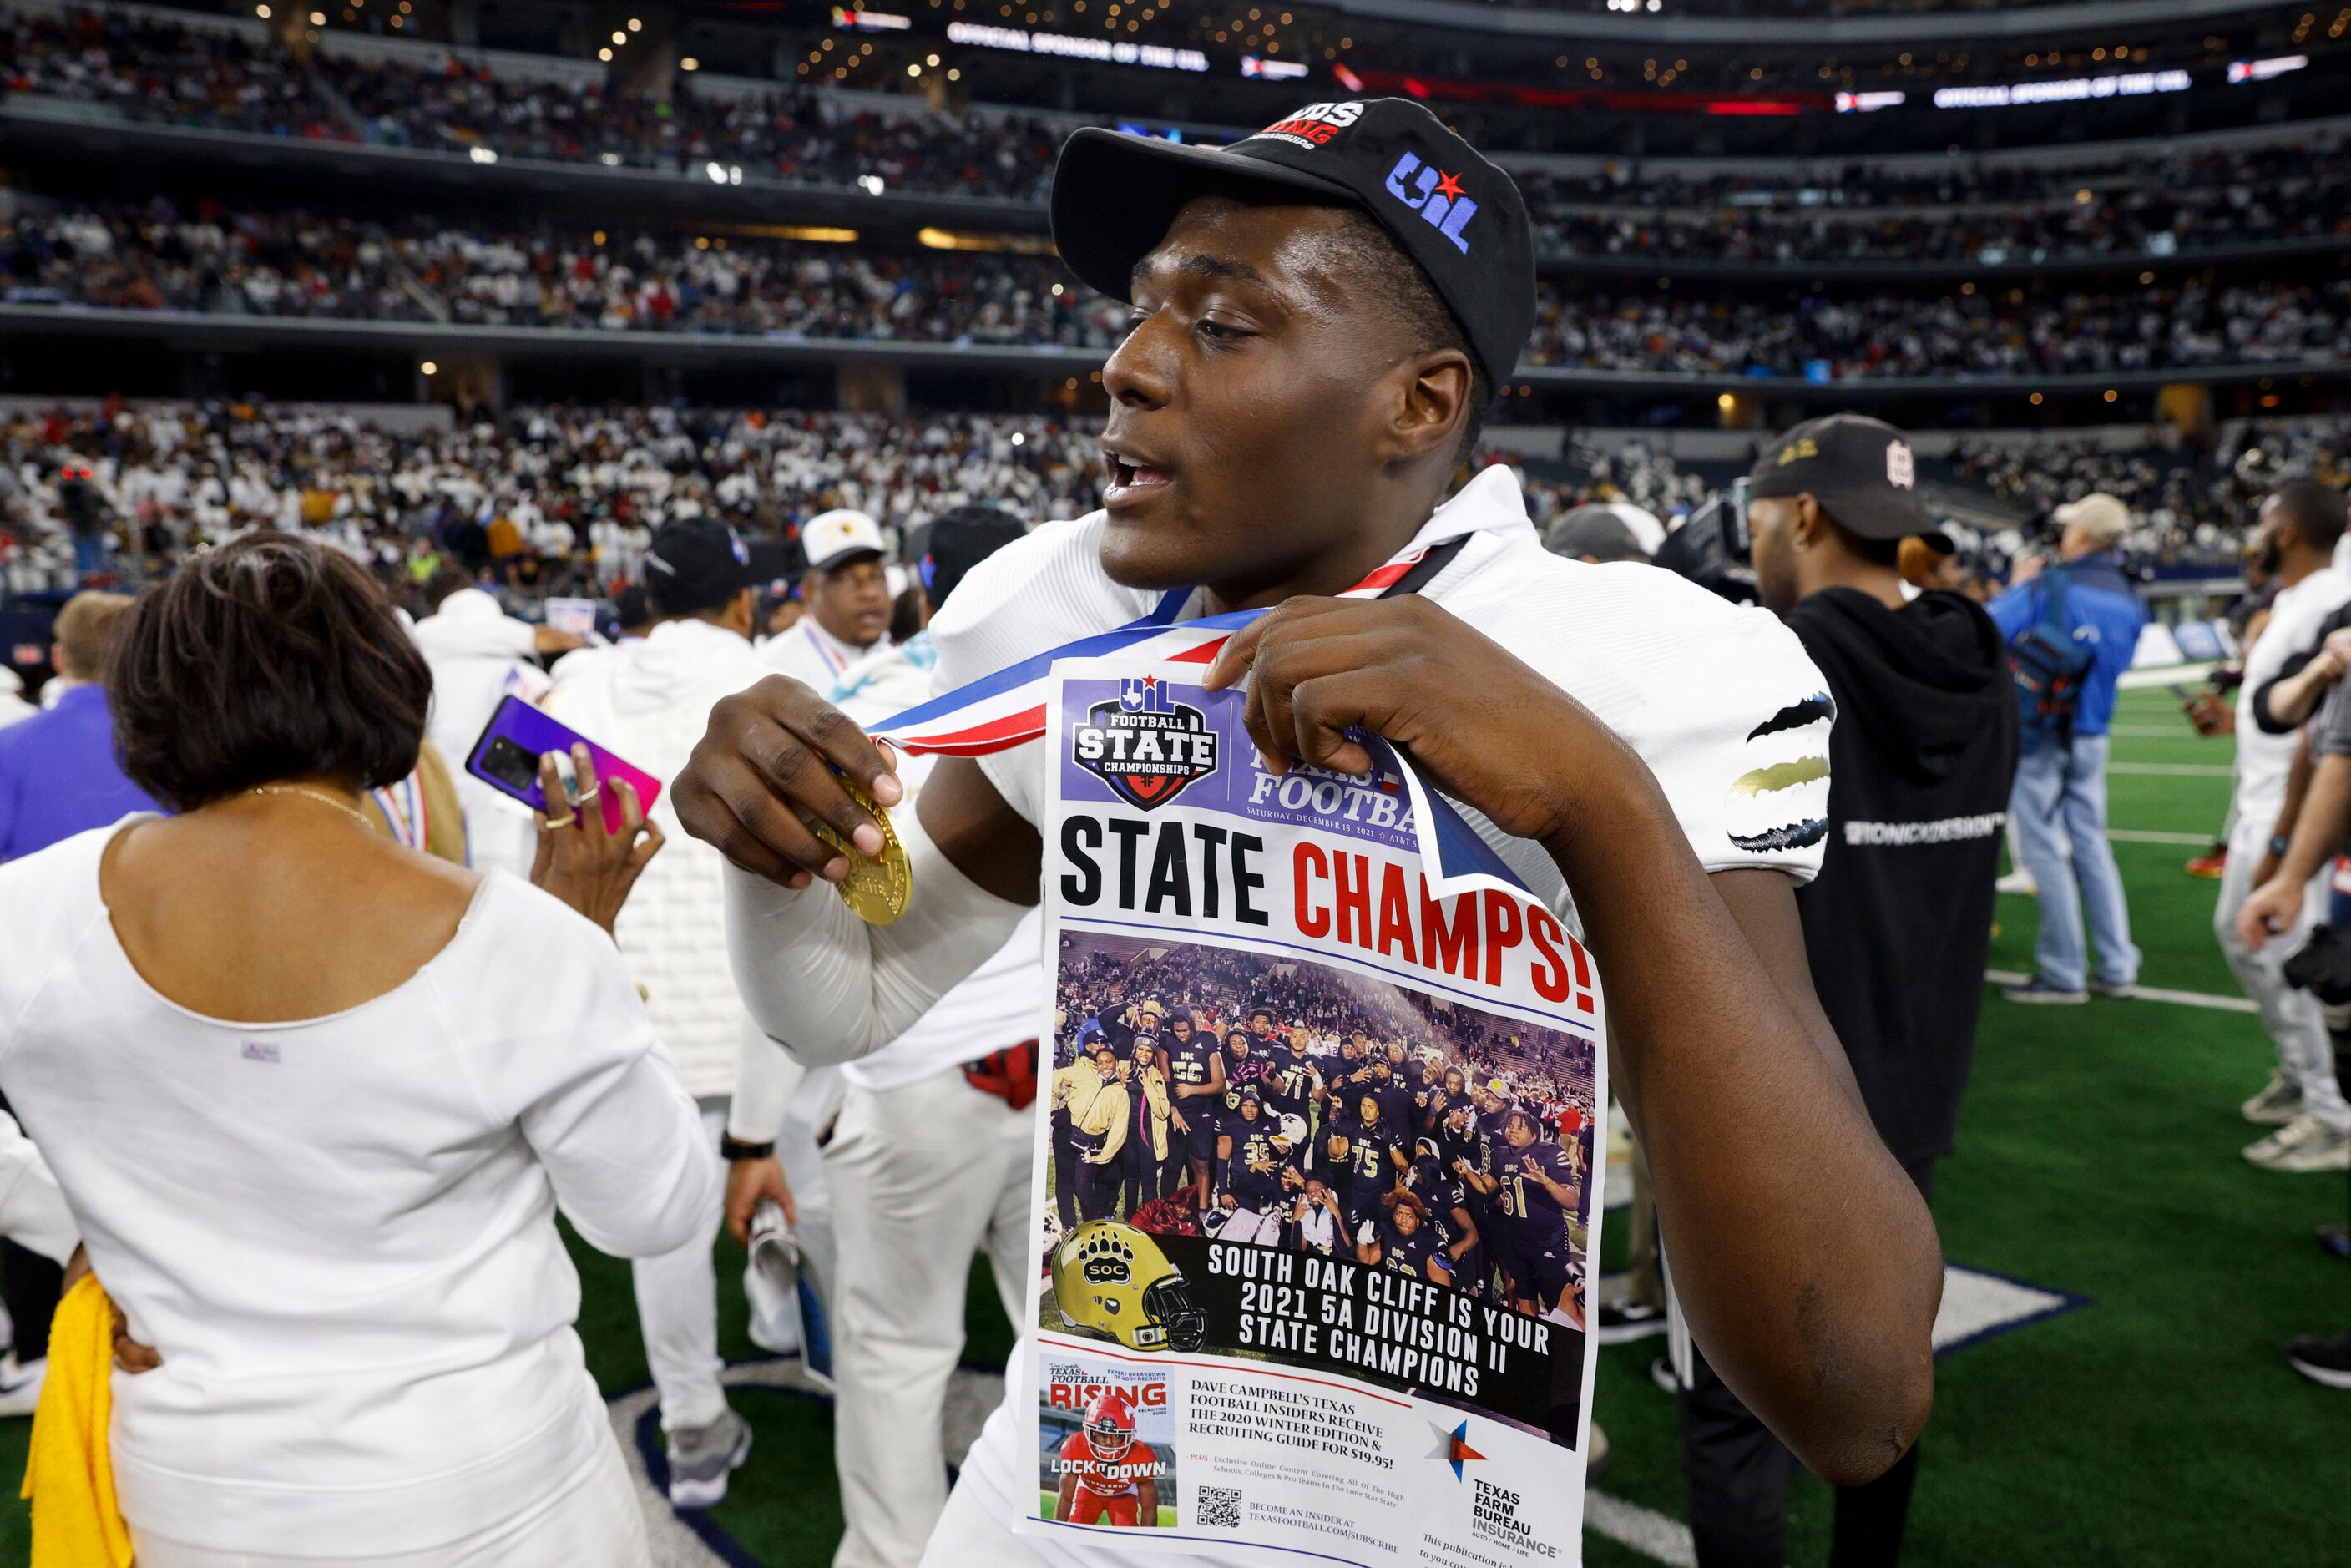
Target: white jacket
(648, 702)
(476, 652)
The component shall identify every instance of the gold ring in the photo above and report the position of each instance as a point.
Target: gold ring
(563, 821)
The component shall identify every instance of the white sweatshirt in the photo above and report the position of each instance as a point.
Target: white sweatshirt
(341, 1232)
(648, 702)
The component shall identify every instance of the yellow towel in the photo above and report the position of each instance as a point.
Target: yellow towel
(69, 1472)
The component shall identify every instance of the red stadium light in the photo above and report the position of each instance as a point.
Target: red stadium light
(1347, 79)
(1416, 87)
(1753, 106)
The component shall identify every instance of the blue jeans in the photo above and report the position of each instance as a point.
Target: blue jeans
(2059, 805)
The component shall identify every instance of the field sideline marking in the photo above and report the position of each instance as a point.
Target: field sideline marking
(1644, 1529)
(2152, 836)
(2175, 769)
(2148, 994)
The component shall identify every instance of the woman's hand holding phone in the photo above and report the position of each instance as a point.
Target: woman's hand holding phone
(579, 860)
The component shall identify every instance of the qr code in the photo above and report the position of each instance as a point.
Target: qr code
(1220, 1508)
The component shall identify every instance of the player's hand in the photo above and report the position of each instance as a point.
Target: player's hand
(1177, 1117)
(763, 771)
(578, 859)
(748, 1181)
(2270, 908)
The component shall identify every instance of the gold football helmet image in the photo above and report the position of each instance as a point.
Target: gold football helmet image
(1114, 1280)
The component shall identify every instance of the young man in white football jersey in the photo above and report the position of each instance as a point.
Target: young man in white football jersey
(1315, 330)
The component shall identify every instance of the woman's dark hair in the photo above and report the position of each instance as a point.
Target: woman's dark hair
(268, 658)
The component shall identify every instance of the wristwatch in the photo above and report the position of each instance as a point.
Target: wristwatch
(732, 1148)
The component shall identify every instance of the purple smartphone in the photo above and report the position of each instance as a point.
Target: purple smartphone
(506, 756)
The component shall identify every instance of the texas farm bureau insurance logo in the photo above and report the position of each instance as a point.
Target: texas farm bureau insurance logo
(1145, 745)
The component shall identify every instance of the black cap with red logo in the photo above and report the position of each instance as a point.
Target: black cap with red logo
(1455, 213)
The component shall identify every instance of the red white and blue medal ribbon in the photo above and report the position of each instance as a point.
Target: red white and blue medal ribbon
(1008, 708)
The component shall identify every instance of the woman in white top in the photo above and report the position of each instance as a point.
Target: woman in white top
(315, 1098)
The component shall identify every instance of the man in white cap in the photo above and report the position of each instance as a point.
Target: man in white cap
(2073, 629)
(847, 590)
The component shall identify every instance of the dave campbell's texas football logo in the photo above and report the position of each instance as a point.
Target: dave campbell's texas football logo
(1146, 746)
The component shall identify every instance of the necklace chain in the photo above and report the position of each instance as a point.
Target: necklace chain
(321, 796)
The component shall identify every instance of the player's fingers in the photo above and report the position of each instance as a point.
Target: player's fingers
(1323, 711)
(1290, 665)
(802, 775)
(827, 731)
(1240, 651)
(771, 846)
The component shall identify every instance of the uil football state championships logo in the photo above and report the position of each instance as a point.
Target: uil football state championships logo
(1146, 746)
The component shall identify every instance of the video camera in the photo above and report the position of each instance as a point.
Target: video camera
(1712, 548)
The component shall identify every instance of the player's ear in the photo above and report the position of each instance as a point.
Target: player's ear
(1426, 405)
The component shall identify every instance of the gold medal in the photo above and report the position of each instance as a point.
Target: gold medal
(875, 890)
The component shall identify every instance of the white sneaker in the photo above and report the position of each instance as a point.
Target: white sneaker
(2303, 1145)
(2279, 1101)
(2018, 880)
(20, 1388)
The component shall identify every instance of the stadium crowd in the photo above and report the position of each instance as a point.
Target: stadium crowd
(1996, 213)
(185, 76)
(306, 264)
(316, 266)
(553, 499)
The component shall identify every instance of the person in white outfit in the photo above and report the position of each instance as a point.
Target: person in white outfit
(13, 706)
(929, 1160)
(316, 1099)
(647, 701)
(2287, 671)
(1307, 365)
(479, 655)
(846, 590)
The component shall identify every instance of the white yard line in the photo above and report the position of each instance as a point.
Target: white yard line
(2150, 836)
(2147, 994)
(2175, 769)
(1644, 1529)
(2177, 674)
(2183, 730)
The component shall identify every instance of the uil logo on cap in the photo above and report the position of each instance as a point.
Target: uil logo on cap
(1901, 468)
(1434, 195)
(1316, 123)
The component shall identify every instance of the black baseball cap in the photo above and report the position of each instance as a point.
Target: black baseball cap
(697, 563)
(959, 540)
(1457, 215)
(1860, 469)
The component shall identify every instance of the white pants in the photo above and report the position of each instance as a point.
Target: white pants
(2306, 1054)
(922, 1176)
(590, 1520)
(677, 1292)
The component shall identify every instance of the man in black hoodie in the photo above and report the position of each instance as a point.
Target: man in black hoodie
(1898, 923)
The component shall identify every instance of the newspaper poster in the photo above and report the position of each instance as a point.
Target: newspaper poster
(1318, 1187)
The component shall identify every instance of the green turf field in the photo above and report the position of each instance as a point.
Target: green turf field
(2158, 1425)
